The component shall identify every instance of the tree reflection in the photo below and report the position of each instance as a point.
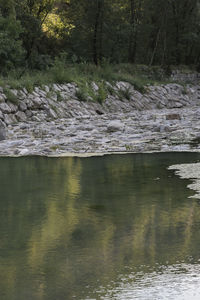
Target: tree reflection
(71, 225)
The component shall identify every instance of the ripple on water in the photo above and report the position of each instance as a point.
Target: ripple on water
(180, 282)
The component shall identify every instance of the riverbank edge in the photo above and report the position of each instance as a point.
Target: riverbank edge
(97, 154)
(163, 119)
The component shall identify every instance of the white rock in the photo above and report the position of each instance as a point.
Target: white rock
(21, 95)
(12, 106)
(56, 88)
(21, 116)
(52, 113)
(10, 119)
(46, 88)
(37, 102)
(23, 152)
(115, 125)
(1, 115)
(28, 113)
(22, 106)
(5, 108)
(95, 87)
(2, 131)
(2, 98)
(15, 92)
(25, 91)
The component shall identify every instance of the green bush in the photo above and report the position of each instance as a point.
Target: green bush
(11, 51)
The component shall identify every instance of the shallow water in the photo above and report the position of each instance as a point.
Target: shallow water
(114, 227)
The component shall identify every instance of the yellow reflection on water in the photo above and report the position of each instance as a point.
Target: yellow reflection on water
(70, 242)
(59, 221)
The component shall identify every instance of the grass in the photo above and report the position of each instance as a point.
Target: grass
(83, 75)
(124, 93)
(102, 93)
(85, 92)
(65, 73)
(59, 96)
(82, 94)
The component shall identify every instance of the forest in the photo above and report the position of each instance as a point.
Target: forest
(34, 33)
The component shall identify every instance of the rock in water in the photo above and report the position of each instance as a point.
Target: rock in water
(2, 131)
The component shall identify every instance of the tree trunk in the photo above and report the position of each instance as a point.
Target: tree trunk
(97, 52)
(155, 47)
(132, 38)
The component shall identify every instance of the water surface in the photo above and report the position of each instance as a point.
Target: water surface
(113, 227)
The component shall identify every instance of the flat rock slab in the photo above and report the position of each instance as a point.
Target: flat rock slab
(189, 171)
(135, 131)
(115, 125)
(2, 131)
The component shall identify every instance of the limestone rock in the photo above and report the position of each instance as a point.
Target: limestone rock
(46, 88)
(94, 87)
(23, 152)
(22, 106)
(115, 125)
(28, 113)
(52, 113)
(2, 131)
(56, 88)
(21, 116)
(22, 95)
(2, 98)
(10, 119)
(1, 115)
(12, 106)
(173, 117)
(37, 102)
(15, 92)
(5, 108)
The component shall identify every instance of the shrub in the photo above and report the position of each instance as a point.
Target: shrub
(11, 51)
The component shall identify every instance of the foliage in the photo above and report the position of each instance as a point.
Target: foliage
(83, 75)
(101, 94)
(124, 93)
(11, 51)
(82, 93)
(103, 32)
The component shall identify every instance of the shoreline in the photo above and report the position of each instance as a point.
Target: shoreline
(148, 131)
(165, 118)
(97, 154)
(87, 155)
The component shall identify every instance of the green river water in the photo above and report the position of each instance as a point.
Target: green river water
(114, 227)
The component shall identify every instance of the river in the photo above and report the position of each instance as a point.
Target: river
(113, 227)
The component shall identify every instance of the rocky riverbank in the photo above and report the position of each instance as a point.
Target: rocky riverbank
(52, 121)
(192, 172)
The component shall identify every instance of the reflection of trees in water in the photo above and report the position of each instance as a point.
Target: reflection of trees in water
(85, 219)
(60, 216)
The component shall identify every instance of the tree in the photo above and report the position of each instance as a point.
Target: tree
(11, 51)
